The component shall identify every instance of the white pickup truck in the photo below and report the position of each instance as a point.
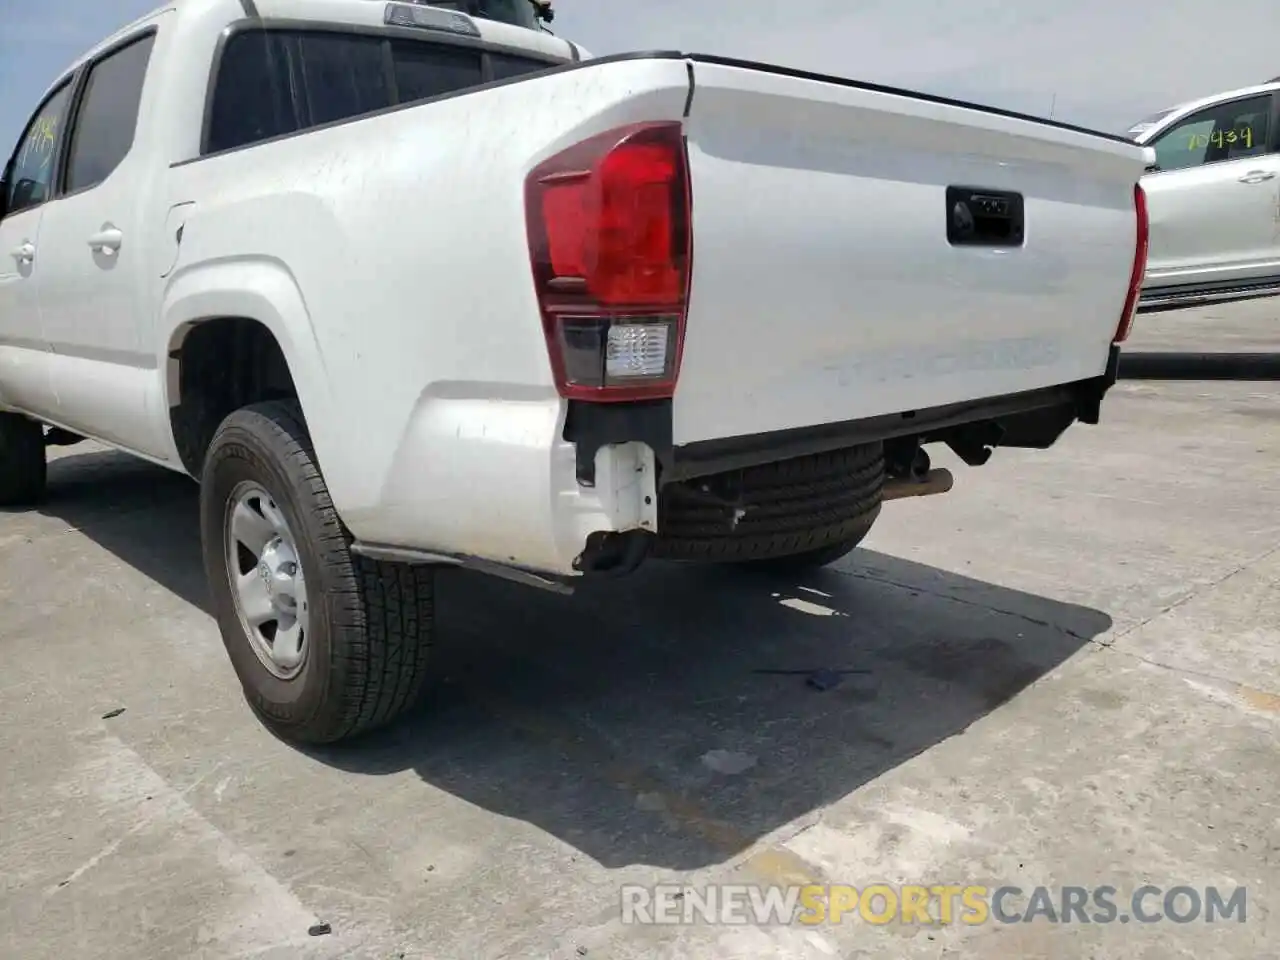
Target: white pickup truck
(404, 288)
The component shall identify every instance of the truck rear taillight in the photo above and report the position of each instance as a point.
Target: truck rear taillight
(1139, 272)
(610, 237)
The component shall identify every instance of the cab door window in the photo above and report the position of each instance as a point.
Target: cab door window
(108, 115)
(34, 164)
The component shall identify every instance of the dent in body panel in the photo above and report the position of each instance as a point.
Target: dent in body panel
(491, 477)
(474, 476)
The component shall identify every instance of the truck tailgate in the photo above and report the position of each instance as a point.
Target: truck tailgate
(825, 287)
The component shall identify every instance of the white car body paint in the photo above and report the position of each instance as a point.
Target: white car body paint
(1216, 223)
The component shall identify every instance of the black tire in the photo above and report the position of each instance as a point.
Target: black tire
(366, 653)
(795, 514)
(799, 563)
(23, 466)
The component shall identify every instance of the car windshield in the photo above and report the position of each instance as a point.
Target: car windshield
(519, 12)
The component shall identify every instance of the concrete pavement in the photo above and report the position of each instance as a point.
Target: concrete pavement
(1064, 672)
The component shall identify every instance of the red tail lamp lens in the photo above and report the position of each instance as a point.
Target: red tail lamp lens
(609, 236)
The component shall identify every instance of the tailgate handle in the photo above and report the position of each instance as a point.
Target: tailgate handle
(977, 217)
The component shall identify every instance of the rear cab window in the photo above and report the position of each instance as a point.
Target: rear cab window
(270, 82)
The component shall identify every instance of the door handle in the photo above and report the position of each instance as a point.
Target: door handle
(25, 253)
(107, 241)
(1258, 176)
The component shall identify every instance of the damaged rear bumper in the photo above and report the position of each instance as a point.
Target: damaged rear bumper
(547, 491)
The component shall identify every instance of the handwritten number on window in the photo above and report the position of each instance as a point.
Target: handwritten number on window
(40, 141)
(1242, 135)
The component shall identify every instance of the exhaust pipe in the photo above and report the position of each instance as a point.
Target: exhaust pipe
(931, 484)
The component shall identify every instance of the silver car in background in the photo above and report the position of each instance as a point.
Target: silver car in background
(1214, 198)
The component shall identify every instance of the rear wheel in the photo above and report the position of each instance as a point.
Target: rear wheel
(327, 645)
(786, 517)
(23, 466)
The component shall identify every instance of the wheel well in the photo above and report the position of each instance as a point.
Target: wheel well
(215, 368)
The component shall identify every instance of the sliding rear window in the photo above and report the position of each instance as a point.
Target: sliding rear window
(275, 82)
(425, 70)
(506, 66)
